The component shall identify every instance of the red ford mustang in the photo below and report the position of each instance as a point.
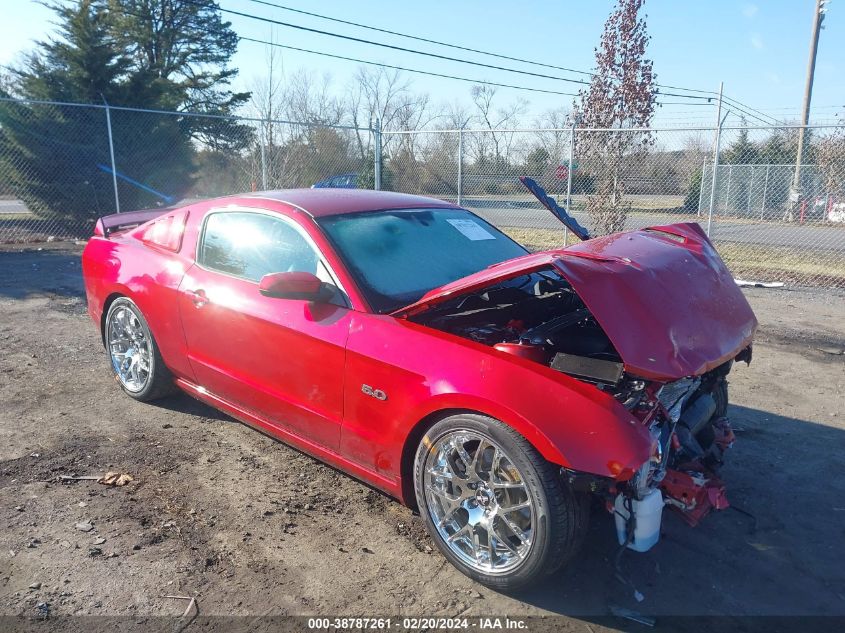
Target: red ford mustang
(413, 345)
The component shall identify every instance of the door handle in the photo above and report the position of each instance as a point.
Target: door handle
(198, 297)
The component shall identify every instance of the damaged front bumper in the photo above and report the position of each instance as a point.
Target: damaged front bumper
(690, 435)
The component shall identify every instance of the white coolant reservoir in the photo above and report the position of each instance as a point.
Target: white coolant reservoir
(648, 513)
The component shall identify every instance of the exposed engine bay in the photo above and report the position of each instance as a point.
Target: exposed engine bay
(535, 316)
(540, 317)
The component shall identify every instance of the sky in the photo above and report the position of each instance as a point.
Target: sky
(758, 49)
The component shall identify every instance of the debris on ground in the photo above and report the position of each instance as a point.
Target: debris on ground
(84, 526)
(115, 479)
(192, 605)
(634, 616)
(744, 283)
(109, 479)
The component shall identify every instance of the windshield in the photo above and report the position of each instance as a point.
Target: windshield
(398, 256)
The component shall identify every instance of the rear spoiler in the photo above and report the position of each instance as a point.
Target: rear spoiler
(109, 224)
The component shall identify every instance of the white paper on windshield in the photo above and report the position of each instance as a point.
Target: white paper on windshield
(471, 230)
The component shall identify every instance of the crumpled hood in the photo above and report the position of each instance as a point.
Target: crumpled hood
(662, 295)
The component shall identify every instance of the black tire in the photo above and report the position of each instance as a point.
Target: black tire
(720, 395)
(562, 515)
(159, 382)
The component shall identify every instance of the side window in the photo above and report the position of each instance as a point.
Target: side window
(251, 245)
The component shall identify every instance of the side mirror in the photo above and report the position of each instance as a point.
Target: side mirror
(294, 285)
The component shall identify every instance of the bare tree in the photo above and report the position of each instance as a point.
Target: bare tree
(269, 103)
(621, 94)
(385, 95)
(311, 100)
(830, 156)
(494, 145)
(268, 92)
(553, 133)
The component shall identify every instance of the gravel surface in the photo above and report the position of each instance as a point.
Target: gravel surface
(251, 527)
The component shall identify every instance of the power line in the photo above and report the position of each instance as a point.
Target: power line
(736, 109)
(738, 103)
(748, 111)
(455, 46)
(421, 39)
(425, 72)
(398, 48)
(417, 52)
(402, 68)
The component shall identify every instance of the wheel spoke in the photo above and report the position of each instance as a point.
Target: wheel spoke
(443, 495)
(517, 532)
(490, 554)
(476, 545)
(461, 531)
(479, 452)
(462, 453)
(448, 516)
(442, 473)
(504, 541)
(514, 508)
(512, 485)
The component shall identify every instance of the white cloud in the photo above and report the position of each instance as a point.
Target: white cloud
(757, 41)
(773, 78)
(750, 10)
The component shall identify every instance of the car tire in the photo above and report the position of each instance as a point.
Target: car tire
(134, 355)
(497, 546)
(720, 395)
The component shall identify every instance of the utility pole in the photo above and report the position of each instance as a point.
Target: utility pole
(111, 154)
(717, 142)
(795, 190)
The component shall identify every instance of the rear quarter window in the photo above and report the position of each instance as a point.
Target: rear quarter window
(165, 231)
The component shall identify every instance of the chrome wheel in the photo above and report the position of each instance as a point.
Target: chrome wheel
(130, 349)
(478, 501)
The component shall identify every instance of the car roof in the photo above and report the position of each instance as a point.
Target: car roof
(326, 202)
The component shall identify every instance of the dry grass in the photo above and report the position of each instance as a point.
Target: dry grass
(756, 261)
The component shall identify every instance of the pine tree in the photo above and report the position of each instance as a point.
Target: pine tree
(151, 54)
(51, 153)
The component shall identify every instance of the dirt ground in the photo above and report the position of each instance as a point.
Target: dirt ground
(252, 528)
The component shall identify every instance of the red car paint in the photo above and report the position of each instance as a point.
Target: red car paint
(296, 369)
(693, 494)
(642, 278)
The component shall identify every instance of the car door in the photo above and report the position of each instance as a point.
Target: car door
(282, 359)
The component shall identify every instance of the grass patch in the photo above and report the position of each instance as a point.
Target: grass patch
(759, 262)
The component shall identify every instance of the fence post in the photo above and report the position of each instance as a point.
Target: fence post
(715, 158)
(460, 164)
(263, 140)
(569, 180)
(377, 154)
(728, 189)
(765, 186)
(113, 165)
(750, 193)
(701, 187)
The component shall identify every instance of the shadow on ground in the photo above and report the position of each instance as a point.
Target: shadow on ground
(786, 560)
(55, 271)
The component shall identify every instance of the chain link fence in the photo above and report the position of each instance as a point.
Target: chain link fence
(64, 165)
(662, 176)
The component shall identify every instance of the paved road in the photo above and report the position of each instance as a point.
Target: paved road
(12, 206)
(829, 238)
